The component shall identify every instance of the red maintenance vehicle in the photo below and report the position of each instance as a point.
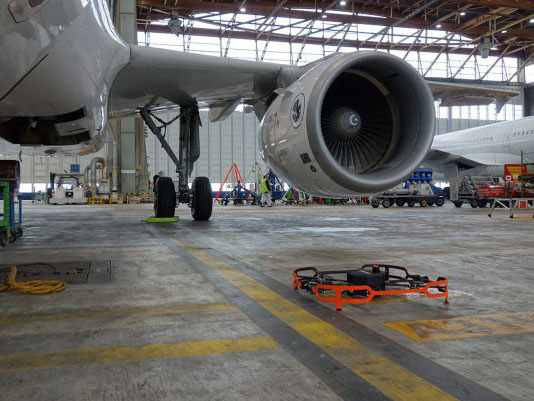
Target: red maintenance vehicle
(477, 191)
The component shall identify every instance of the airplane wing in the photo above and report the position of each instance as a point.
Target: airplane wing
(435, 156)
(453, 94)
(498, 158)
(159, 78)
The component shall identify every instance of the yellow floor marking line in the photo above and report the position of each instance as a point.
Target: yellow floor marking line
(47, 360)
(387, 376)
(466, 327)
(117, 313)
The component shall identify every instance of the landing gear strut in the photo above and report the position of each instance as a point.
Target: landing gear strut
(199, 197)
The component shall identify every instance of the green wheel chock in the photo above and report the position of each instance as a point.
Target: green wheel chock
(153, 219)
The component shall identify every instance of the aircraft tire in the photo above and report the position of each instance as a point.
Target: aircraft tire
(400, 202)
(165, 199)
(202, 205)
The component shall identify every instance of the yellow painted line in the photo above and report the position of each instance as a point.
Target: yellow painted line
(466, 327)
(387, 376)
(117, 313)
(47, 360)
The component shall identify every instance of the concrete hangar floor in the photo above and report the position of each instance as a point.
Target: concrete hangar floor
(206, 311)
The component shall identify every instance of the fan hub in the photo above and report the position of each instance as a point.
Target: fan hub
(346, 123)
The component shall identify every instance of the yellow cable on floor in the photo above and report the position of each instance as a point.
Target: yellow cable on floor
(36, 287)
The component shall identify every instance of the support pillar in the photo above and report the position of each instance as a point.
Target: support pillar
(129, 145)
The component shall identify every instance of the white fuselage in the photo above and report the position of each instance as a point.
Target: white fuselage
(58, 61)
(494, 144)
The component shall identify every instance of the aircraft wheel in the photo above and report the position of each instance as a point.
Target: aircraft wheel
(165, 199)
(440, 202)
(202, 204)
(473, 203)
(386, 203)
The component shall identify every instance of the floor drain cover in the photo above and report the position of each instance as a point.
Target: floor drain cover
(93, 272)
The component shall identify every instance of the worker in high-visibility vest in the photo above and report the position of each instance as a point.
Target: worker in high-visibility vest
(265, 190)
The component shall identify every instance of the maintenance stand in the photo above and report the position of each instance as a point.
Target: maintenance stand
(10, 227)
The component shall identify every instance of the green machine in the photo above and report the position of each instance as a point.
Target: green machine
(10, 226)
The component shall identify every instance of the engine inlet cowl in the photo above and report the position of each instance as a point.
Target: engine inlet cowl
(367, 123)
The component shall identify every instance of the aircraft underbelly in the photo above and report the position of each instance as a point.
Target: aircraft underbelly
(46, 99)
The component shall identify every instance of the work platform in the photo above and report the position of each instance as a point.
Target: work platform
(206, 311)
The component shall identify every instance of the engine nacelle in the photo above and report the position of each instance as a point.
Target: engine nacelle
(357, 123)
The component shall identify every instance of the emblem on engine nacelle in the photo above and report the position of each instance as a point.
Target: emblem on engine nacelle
(297, 110)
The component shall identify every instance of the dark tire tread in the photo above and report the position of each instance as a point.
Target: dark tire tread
(202, 205)
(165, 199)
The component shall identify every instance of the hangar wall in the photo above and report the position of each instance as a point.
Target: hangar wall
(221, 144)
(35, 170)
(233, 140)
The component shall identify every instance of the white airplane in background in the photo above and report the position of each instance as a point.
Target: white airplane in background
(483, 150)
(349, 123)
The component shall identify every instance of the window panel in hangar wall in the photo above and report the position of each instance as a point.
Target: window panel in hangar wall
(234, 140)
(37, 169)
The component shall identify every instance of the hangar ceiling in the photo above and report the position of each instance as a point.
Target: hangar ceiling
(473, 28)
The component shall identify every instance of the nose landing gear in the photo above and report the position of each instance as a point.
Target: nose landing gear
(199, 197)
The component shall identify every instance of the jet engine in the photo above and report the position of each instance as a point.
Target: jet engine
(356, 123)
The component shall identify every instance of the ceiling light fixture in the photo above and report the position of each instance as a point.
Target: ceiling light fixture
(342, 3)
(438, 26)
(531, 21)
(462, 13)
(242, 9)
(323, 16)
(504, 31)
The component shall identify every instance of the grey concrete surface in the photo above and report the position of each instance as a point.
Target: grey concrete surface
(489, 263)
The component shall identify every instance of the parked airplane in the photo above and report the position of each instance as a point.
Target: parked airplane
(483, 150)
(350, 123)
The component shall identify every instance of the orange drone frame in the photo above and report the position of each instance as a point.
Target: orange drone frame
(363, 284)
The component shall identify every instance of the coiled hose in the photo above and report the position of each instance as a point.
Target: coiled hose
(35, 287)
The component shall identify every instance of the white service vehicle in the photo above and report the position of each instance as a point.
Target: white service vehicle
(65, 189)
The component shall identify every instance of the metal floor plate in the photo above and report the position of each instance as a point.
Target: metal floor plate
(81, 272)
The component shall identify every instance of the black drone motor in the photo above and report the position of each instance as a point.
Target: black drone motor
(376, 278)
